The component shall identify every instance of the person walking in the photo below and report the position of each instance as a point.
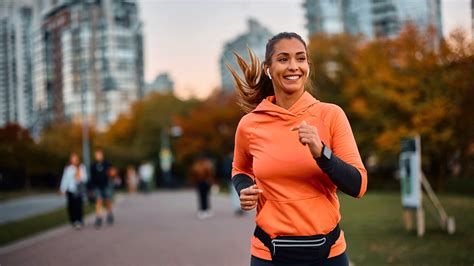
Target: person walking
(73, 186)
(132, 179)
(202, 175)
(146, 172)
(101, 187)
(292, 153)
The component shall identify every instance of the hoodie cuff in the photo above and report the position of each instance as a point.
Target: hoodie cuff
(241, 181)
(345, 176)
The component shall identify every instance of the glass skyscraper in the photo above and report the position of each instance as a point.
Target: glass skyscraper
(255, 38)
(16, 90)
(372, 18)
(88, 54)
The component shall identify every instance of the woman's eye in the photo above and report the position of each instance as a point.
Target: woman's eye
(282, 60)
(302, 58)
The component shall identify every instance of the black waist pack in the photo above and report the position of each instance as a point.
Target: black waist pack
(298, 249)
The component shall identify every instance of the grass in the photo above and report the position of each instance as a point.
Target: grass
(17, 230)
(375, 233)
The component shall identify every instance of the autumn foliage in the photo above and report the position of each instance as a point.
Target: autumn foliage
(406, 86)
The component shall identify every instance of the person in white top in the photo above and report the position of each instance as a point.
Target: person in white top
(73, 186)
(146, 172)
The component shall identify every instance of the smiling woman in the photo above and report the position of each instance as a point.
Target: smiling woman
(292, 152)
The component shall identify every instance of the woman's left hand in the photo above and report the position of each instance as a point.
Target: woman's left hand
(308, 135)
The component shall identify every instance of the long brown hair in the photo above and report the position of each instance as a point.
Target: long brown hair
(256, 86)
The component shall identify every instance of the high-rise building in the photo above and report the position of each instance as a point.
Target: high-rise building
(88, 54)
(162, 84)
(324, 16)
(16, 89)
(373, 18)
(255, 38)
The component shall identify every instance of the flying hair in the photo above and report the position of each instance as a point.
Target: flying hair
(255, 86)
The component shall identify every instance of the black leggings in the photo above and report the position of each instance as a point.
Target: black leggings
(74, 207)
(340, 260)
(203, 193)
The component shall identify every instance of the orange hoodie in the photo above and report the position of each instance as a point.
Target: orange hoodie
(298, 199)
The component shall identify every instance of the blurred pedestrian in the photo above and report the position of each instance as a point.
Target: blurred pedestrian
(146, 172)
(73, 186)
(132, 179)
(292, 152)
(202, 175)
(114, 179)
(102, 188)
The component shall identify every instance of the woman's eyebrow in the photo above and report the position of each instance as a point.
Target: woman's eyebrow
(286, 53)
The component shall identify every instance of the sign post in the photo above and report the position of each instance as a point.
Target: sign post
(410, 181)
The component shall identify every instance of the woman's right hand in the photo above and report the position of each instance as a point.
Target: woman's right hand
(249, 197)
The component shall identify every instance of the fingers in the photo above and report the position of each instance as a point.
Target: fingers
(248, 205)
(248, 208)
(305, 141)
(307, 138)
(244, 197)
(249, 197)
(252, 190)
(307, 134)
(307, 129)
(302, 125)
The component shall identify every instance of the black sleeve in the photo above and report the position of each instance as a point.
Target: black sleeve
(345, 176)
(241, 181)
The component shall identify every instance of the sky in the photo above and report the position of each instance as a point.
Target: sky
(186, 37)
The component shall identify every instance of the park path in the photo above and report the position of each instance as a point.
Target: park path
(156, 229)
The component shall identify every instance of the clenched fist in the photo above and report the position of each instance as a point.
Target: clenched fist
(309, 135)
(249, 197)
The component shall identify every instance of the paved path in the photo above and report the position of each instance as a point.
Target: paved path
(24, 207)
(157, 229)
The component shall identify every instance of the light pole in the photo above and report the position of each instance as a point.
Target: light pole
(85, 125)
(166, 155)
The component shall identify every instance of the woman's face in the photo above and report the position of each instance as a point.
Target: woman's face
(74, 159)
(289, 66)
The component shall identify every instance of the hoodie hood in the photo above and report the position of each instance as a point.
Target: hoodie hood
(267, 106)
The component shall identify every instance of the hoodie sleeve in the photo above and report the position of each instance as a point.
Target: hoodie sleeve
(345, 167)
(242, 172)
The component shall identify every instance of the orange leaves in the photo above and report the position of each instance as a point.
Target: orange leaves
(209, 127)
(392, 88)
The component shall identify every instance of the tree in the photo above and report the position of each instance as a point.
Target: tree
(135, 136)
(15, 147)
(393, 88)
(208, 128)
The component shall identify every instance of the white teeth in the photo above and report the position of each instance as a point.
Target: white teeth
(292, 77)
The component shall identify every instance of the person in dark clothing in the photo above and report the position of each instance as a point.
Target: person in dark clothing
(101, 187)
(202, 175)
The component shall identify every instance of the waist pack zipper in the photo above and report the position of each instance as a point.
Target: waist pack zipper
(297, 243)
